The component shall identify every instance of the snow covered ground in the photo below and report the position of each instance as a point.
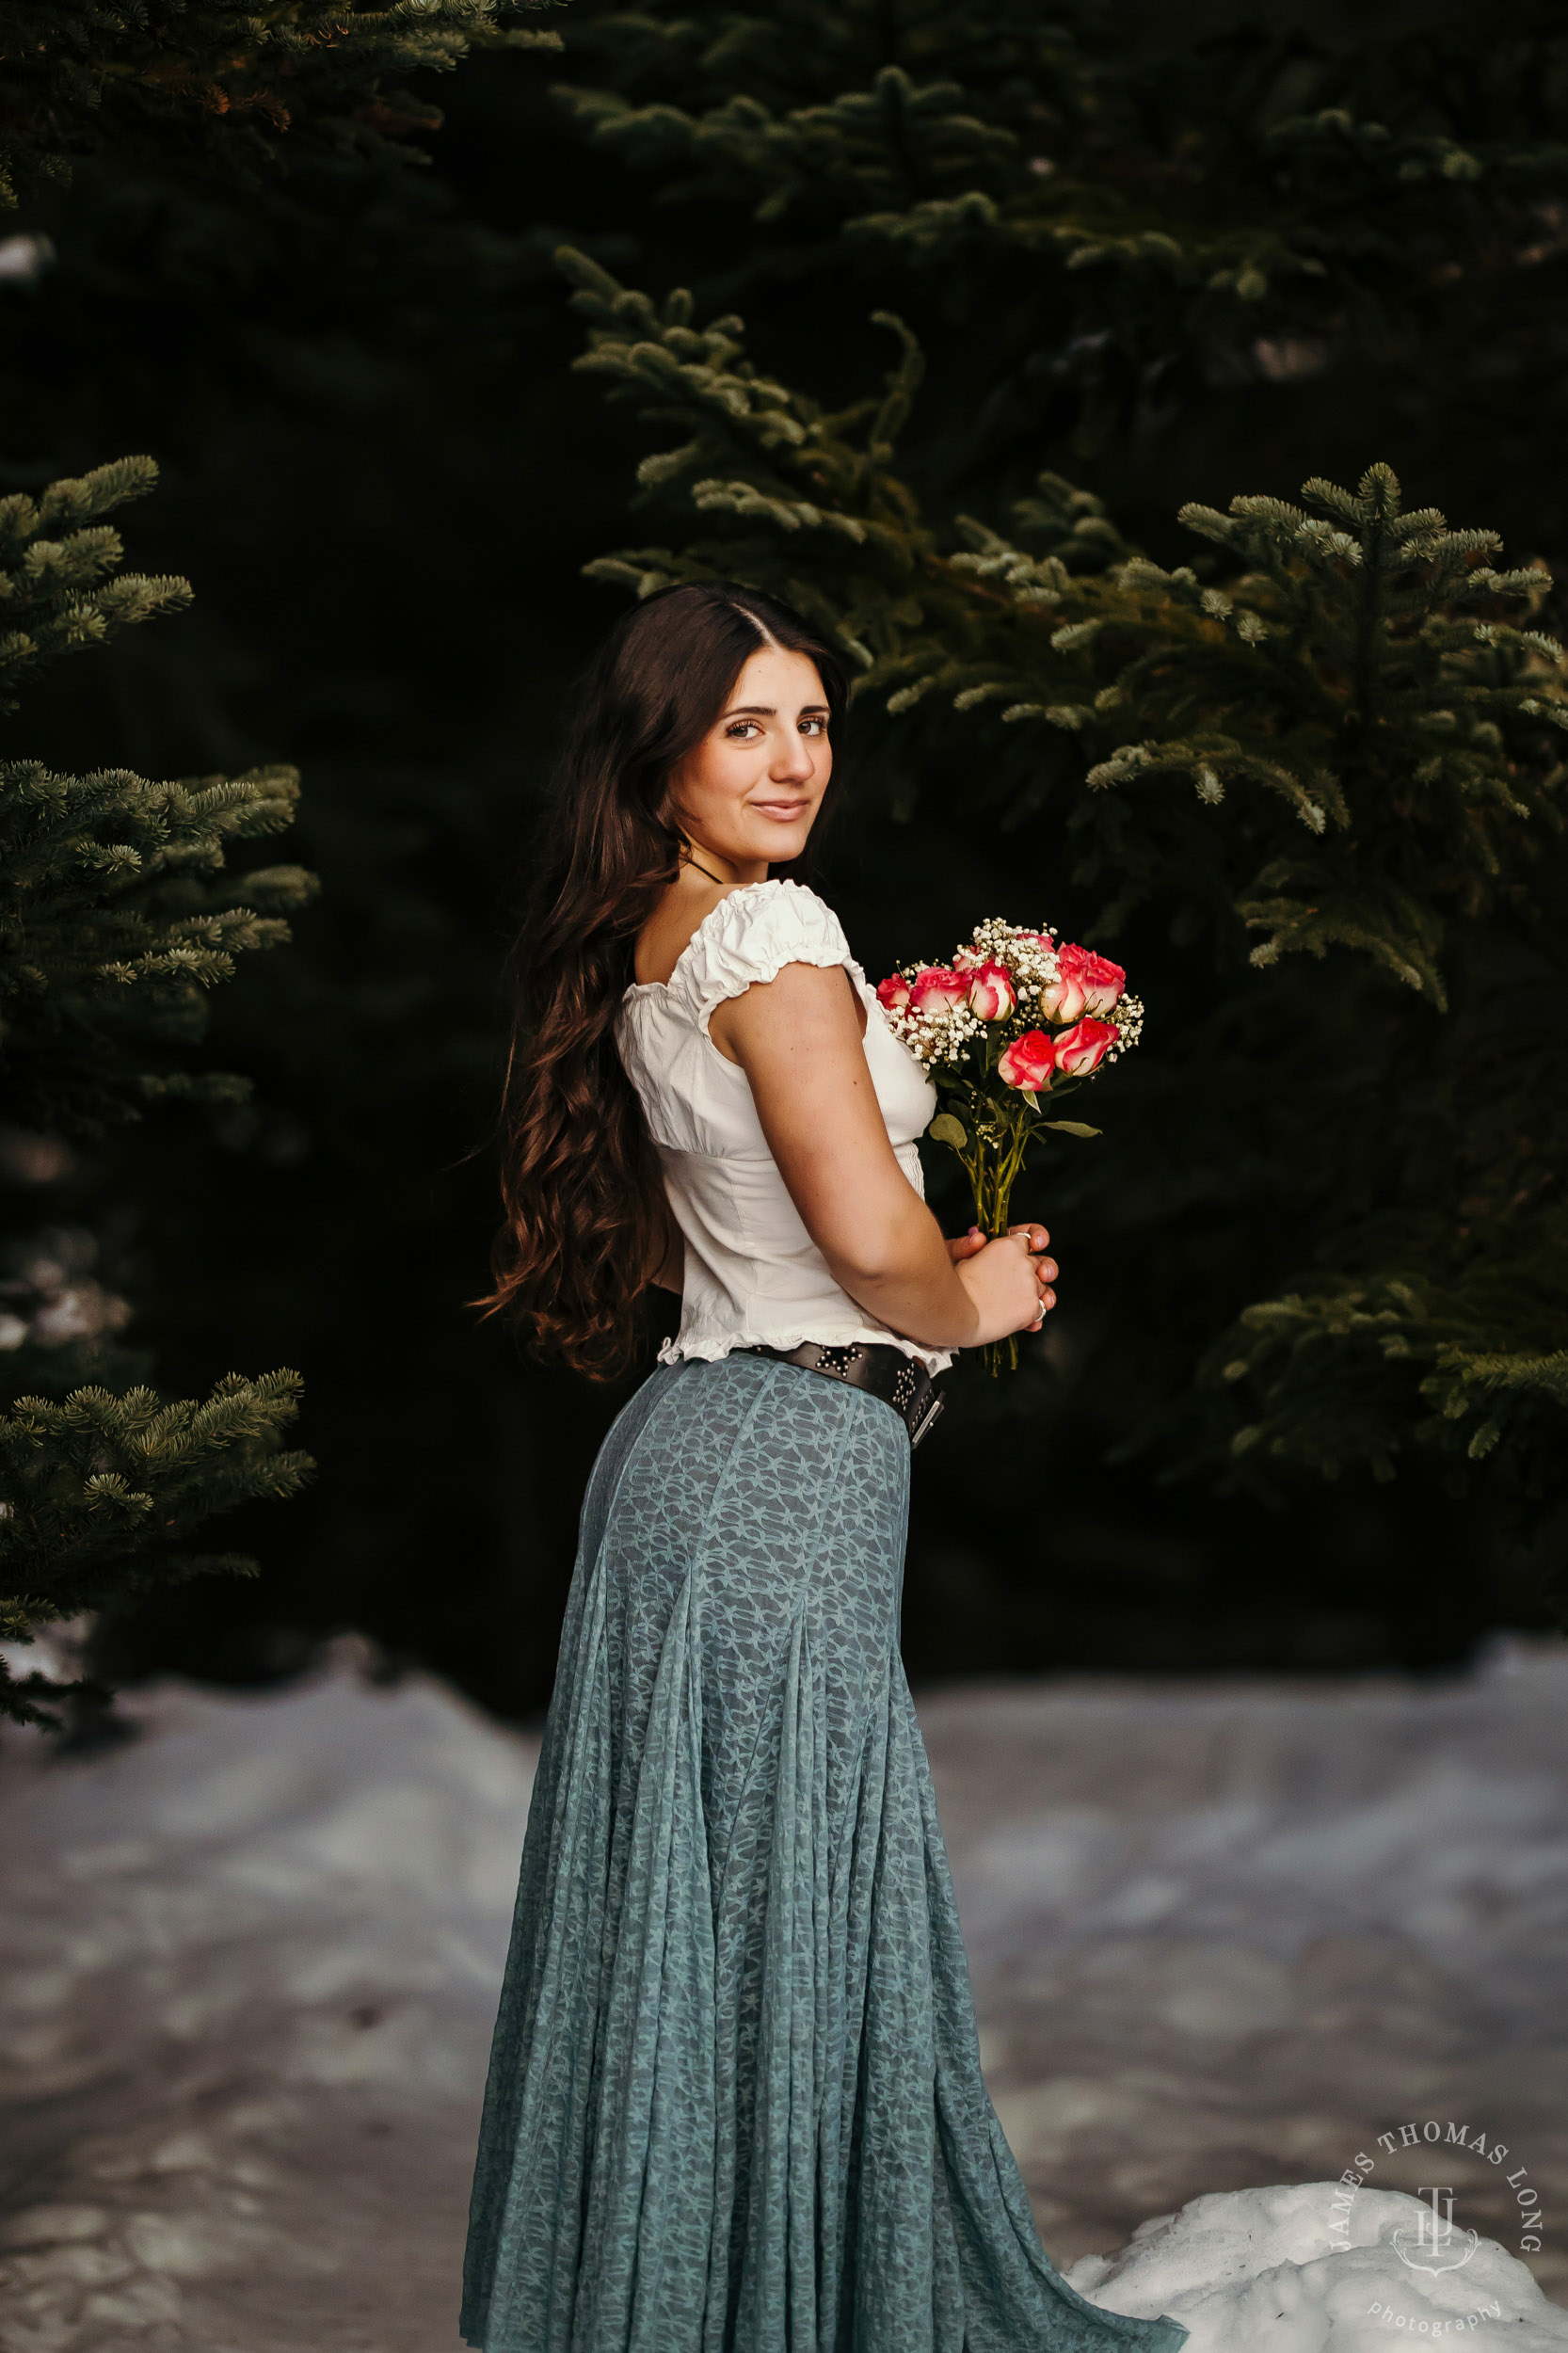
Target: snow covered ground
(1224, 1934)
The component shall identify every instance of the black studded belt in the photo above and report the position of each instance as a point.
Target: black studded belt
(875, 1366)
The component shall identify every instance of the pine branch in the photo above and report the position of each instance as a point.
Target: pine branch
(58, 588)
(815, 506)
(235, 87)
(102, 1490)
(117, 919)
(896, 142)
(1354, 1371)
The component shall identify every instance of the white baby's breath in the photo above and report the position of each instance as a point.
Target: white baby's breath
(1128, 1019)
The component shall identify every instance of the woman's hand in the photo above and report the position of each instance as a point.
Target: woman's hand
(991, 1273)
(1045, 1269)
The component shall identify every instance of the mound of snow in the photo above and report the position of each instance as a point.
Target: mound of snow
(1257, 2268)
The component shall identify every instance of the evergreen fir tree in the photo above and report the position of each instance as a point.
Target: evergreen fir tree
(1340, 734)
(117, 916)
(217, 240)
(1129, 215)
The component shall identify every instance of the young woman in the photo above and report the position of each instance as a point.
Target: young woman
(735, 2101)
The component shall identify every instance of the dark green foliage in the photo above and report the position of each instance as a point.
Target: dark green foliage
(219, 232)
(1359, 677)
(218, 85)
(1468, 1360)
(765, 459)
(116, 919)
(113, 921)
(300, 326)
(116, 922)
(1127, 209)
(60, 589)
(194, 178)
(100, 1488)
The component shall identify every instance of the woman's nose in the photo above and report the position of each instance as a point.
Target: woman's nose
(795, 763)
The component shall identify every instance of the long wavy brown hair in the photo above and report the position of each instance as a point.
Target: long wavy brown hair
(586, 1223)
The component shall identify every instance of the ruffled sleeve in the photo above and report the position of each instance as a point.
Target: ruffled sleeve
(751, 935)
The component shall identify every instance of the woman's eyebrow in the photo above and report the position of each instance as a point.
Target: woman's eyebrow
(767, 710)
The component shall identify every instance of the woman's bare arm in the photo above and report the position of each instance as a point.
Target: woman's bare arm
(798, 1038)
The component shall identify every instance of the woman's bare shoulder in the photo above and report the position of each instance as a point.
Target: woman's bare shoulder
(670, 930)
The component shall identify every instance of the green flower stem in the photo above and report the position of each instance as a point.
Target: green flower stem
(992, 1173)
(992, 1167)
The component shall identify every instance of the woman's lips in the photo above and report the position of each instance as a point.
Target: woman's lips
(780, 808)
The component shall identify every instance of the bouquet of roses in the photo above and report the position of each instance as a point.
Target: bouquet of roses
(1015, 1020)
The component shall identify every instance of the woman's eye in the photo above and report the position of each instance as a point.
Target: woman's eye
(740, 730)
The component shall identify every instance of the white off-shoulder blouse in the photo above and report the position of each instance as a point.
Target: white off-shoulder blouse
(752, 1271)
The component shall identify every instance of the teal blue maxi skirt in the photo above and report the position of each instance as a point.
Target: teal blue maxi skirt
(735, 2103)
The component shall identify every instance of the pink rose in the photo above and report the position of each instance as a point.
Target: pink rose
(991, 992)
(1083, 1049)
(1028, 1061)
(892, 994)
(937, 987)
(1085, 983)
(1062, 1000)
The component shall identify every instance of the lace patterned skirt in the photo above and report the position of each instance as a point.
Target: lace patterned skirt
(735, 2101)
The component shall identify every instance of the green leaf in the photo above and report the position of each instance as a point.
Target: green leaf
(1071, 1128)
(944, 1128)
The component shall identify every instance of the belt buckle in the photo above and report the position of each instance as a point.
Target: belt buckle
(929, 1415)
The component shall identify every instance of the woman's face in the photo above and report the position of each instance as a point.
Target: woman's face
(751, 789)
